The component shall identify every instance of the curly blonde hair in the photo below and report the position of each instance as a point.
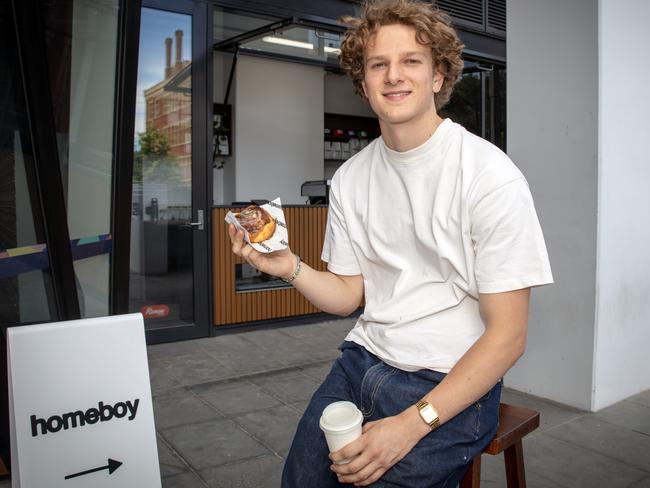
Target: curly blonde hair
(432, 29)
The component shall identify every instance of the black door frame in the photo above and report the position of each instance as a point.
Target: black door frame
(201, 170)
(128, 39)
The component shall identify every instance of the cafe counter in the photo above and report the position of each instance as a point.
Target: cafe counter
(243, 294)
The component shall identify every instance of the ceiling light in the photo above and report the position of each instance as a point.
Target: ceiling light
(288, 42)
(333, 50)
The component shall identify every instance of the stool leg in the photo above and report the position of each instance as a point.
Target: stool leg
(472, 478)
(515, 472)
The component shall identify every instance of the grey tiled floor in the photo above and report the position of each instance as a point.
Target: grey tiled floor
(226, 409)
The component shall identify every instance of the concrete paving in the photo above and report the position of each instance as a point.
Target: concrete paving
(226, 408)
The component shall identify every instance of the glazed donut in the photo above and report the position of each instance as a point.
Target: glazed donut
(258, 223)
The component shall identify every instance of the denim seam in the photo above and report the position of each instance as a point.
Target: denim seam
(380, 380)
(363, 386)
(378, 385)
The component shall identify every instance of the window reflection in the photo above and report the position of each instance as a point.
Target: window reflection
(160, 283)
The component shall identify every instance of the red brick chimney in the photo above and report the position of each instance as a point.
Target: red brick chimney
(179, 48)
(168, 57)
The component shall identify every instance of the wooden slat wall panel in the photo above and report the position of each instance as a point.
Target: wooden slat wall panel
(306, 231)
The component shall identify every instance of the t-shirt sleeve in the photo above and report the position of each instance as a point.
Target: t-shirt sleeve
(508, 241)
(337, 247)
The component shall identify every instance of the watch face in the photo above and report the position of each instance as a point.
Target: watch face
(428, 414)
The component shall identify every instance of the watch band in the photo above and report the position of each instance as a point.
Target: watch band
(296, 272)
(428, 414)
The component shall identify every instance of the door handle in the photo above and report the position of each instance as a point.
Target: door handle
(199, 223)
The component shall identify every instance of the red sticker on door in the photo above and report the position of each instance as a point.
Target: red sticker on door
(154, 311)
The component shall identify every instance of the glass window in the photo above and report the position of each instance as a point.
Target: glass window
(292, 41)
(464, 107)
(26, 294)
(478, 102)
(229, 24)
(160, 283)
(299, 42)
(248, 278)
(496, 107)
(81, 38)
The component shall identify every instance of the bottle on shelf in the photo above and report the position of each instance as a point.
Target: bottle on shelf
(345, 149)
(354, 143)
(363, 139)
(336, 150)
(329, 153)
(328, 145)
(337, 146)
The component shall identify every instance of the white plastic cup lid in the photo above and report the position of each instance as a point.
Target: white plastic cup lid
(340, 416)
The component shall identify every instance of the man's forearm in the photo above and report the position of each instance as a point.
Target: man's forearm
(489, 358)
(328, 291)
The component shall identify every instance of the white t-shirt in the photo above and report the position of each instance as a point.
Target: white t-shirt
(429, 229)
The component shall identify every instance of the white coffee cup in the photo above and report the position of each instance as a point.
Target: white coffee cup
(341, 424)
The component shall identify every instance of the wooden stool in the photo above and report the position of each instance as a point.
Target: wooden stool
(514, 424)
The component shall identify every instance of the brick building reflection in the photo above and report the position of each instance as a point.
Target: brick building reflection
(169, 106)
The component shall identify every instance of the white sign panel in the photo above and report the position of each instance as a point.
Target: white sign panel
(80, 405)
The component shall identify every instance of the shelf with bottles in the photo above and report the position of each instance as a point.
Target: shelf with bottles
(340, 148)
(346, 135)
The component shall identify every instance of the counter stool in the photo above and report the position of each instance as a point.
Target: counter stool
(514, 424)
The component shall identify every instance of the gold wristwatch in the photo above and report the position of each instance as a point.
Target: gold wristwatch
(428, 414)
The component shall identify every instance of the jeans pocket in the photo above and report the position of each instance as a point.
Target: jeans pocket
(371, 385)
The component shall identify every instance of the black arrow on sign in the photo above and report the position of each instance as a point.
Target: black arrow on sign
(111, 466)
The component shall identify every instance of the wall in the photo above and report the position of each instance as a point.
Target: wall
(340, 97)
(278, 130)
(623, 308)
(552, 136)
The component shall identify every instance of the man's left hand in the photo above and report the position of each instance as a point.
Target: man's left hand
(383, 444)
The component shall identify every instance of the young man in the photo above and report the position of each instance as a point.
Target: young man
(437, 229)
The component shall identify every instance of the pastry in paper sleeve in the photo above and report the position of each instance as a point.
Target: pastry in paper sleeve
(264, 226)
(258, 223)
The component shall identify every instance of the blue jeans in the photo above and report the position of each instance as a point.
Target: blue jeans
(439, 460)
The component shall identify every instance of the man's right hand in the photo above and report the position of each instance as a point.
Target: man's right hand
(331, 293)
(277, 263)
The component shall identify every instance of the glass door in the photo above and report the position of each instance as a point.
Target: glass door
(169, 259)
